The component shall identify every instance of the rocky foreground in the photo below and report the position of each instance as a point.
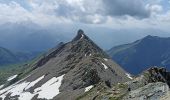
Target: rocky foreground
(152, 84)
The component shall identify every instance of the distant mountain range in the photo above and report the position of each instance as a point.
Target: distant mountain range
(138, 56)
(28, 37)
(8, 57)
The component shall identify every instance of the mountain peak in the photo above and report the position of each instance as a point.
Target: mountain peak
(80, 31)
(150, 37)
(80, 35)
(69, 68)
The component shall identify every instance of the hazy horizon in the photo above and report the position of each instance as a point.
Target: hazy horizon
(35, 25)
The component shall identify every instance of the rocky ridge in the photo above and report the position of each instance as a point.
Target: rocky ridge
(72, 69)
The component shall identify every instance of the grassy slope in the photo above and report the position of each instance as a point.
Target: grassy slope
(9, 70)
(22, 69)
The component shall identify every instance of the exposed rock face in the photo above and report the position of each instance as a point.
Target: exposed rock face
(157, 74)
(152, 84)
(152, 75)
(152, 91)
(69, 69)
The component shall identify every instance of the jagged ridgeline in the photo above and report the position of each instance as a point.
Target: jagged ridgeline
(67, 72)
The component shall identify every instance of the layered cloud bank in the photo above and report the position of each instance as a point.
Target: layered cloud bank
(105, 12)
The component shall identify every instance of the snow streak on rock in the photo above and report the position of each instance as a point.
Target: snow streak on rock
(82, 36)
(105, 67)
(129, 76)
(105, 59)
(12, 77)
(88, 88)
(1, 86)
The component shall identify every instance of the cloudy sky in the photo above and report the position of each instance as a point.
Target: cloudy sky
(139, 17)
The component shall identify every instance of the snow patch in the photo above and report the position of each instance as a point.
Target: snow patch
(104, 66)
(105, 59)
(1, 86)
(47, 91)
(14, 90)
(50, 89)
(88, 88)
(12, 77)
(88, 55)
(129, 76)
(18, 90)
(26, 96)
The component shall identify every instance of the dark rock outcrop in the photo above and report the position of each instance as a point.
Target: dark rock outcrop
(156, 74)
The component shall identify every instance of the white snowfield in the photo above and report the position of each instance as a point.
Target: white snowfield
(50, 89)
(15, 89)
(26, 96)
(88, 88)
(105, 67)
(12, 77)
(129, 76)
(47, 91)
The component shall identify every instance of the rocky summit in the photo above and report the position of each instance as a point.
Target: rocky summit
(67, 72)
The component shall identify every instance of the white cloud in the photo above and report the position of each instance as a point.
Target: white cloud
(60, 11)
(108, 13)
(42, 14)
(135, 8)
(72, 10)
(13, 12)
(154, 8)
